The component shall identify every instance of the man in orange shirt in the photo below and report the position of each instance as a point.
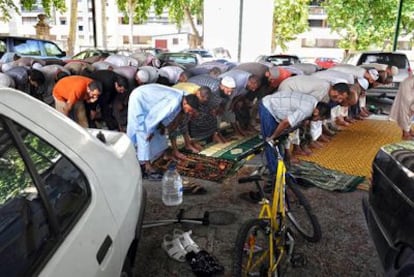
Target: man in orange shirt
(71, 92)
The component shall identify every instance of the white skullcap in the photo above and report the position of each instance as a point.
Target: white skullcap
(7, 66)
(394, 70)
(363, 83)
(228, 81)
(36, 65)
(374, 74)
(143, 76)
(274, 72)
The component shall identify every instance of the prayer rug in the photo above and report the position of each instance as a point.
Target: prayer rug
(321, 177)
(353, 149)
(234, 150)
(201, 167)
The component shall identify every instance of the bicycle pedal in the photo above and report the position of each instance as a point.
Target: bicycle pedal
(298, 260)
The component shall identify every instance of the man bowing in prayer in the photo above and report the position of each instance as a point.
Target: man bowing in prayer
(153, 108)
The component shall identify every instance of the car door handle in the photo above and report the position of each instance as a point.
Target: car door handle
(103, 249)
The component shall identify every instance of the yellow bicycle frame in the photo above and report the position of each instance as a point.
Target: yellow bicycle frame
(270, 212)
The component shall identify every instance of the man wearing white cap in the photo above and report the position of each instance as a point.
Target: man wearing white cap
(402, 109)
(206, 123)
(359, 72)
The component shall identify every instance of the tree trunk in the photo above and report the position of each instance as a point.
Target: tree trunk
(131, 4)
(198, 38)
(72, 26)
(103, 18)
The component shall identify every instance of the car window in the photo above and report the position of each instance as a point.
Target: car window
(3, 48)
(42, 194)
(52, 49)
(279, 60)
(397, 60)
(27, 47)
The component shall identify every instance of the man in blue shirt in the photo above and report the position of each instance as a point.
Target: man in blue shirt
(151, 109)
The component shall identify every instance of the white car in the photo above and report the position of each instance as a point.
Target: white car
(71, 199)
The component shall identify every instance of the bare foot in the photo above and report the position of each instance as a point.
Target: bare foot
(218, 138)
(192, 148)
(316, 145)
(298, 151)
(307, 150)
(177, 154)
(324, 138)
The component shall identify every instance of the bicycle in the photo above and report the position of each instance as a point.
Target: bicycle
(266, 243)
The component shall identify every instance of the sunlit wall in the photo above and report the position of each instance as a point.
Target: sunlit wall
(244, 27)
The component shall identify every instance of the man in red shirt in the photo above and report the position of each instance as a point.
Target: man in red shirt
(71, 92)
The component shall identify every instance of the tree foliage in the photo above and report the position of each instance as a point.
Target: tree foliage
(365, 24)
(8, 7)
(290, 18)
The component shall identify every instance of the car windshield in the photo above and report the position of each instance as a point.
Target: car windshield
(282, 60)
(178, 58)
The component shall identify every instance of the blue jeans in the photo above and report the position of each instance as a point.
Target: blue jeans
(268, 125)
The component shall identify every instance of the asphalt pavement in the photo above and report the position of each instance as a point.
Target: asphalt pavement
(345, 249)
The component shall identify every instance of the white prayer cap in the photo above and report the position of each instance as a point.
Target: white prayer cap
(374, 74)
(36, 65)
(143, 76)
(363, 83)
(228, 81)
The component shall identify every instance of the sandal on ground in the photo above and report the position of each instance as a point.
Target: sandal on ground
(186, 241)
(194, 189)
(174, 248)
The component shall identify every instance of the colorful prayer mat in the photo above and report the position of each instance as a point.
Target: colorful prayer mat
(201, 167)
(234, 150)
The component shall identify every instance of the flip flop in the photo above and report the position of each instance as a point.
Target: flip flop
(174, 249)
(194, 189)
(186, 241)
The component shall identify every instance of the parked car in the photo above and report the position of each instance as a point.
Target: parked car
(389, 208)
(91, 55)
(279, 59)
(399, 60)
(71, 199)
(206, 55)
(325, 62)
(30, 47)
(185, 60)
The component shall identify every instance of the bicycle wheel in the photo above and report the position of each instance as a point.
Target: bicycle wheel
(251, 257)
(300, 213)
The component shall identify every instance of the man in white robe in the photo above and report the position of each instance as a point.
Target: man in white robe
(152, 108)
(402, 109)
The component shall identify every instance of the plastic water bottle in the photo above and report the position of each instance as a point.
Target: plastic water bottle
(172, 186)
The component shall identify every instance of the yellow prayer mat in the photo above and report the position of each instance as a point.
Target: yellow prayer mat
(353, 149)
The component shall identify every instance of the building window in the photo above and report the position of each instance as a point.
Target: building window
(29, 20)
(175, 41)
(80, 28)
(315, 23)
(62, 21)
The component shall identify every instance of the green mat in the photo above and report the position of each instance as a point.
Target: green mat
(324, 178)
(237, 150)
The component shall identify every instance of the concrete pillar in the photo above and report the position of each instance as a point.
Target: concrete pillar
(42, 27)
